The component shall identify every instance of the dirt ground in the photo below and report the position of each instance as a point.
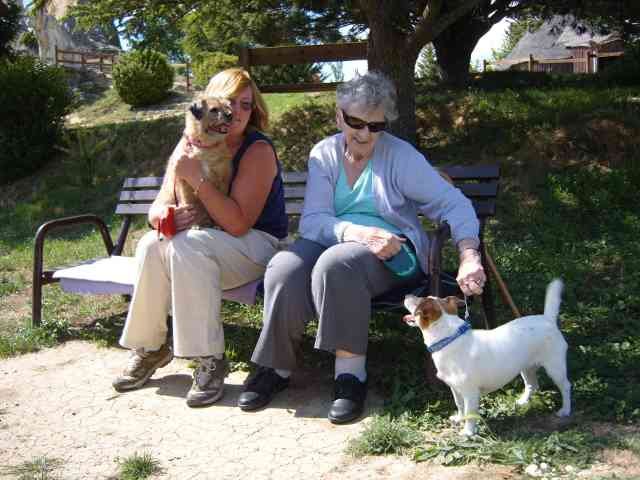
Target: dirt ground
(59, 403)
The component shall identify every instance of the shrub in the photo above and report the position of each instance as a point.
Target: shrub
(207, 64)
(9, 28)
(35, 99)
(299, 129)
(142, 77)
(29, 40)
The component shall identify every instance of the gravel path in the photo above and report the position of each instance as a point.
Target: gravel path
(59, 403)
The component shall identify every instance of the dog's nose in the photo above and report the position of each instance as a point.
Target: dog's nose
(228, 116)
(196, 110)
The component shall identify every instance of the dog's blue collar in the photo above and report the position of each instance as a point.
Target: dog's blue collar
(440, 344)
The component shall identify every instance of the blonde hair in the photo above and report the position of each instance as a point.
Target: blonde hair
(229, 83)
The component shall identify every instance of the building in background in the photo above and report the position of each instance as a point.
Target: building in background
(558, 47)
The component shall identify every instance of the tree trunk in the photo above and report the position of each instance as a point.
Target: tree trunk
(390, 54)
(455, 45)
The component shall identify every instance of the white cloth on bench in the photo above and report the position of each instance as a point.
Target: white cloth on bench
(116, 275)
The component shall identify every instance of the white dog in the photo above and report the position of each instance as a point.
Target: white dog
(475, 362)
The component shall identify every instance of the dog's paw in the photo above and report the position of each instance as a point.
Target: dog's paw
(563, 412)
(457, 418)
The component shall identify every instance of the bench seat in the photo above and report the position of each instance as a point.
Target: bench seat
(115, 275)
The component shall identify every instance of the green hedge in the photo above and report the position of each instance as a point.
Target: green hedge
(143, 77)
(34, 99)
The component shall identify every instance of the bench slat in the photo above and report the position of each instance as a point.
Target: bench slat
(293, 208)
(133, 208)
(138, 195)
(484, 208)
(294, 192)
(479, 190)
(294, 177)
(142, 182)
(472, 172)
(482, 194)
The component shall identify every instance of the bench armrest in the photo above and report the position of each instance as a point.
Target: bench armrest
(61, 223)
(39, 276)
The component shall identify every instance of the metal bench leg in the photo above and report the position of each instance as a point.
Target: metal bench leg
(36, 302)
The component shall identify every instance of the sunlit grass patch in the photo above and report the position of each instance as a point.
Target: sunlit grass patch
(556, 449)
(384, 435)
(40, 468)
(138, 466)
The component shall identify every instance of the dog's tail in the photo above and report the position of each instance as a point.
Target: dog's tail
(552, 300)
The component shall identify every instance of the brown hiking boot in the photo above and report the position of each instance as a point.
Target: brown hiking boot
(141, 366)
(208, 381)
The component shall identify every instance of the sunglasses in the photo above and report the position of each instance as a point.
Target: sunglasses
(246, 106)
(358, 124)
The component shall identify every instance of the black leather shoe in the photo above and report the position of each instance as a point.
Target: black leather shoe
(349, 397)
(261, 388)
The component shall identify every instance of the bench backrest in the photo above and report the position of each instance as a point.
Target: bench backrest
(479, 183)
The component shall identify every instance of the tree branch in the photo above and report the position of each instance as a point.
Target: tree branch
(430, 27)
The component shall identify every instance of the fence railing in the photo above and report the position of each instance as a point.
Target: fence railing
(88, 60)
(331, 52)
(587, 64)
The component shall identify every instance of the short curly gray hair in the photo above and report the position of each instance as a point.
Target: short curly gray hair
(371, 90)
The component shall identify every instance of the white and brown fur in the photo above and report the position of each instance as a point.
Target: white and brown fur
(206, 126)
(481, 361)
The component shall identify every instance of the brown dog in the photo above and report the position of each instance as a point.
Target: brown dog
(206, 127)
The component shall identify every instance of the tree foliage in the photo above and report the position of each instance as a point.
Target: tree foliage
(9, 26)
(35, 98)
(427, 66)
(397, 29)
(607, 15)
(515, 31)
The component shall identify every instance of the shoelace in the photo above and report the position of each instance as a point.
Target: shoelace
(135, 359)
(206, 366)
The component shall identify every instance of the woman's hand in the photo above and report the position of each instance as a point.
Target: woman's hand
(382, 243)
(184, 217)
(471, 276)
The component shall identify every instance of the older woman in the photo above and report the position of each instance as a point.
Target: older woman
(360, 238)
(185, 275)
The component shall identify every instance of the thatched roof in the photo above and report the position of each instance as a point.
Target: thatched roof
(554, 40)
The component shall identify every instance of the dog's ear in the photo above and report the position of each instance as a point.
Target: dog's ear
(451, 304)
(429, 311)
(411, 302)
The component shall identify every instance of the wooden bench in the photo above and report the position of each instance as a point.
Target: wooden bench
(115, 274)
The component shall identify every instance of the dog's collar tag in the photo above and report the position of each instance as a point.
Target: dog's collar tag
(440, 344)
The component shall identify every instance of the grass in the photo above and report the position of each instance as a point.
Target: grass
(138, 467)
(40, 468)
(386, 435)
(567, 208)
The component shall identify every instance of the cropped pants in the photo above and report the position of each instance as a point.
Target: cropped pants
(335, 285)
(185, 276)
